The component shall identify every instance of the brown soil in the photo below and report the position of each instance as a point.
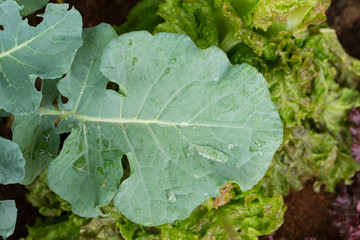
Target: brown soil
(110, 11)
(307, 215)
(344, 17)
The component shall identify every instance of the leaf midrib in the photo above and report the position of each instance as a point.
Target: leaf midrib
(86, 118)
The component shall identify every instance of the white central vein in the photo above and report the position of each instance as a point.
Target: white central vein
(85, 118)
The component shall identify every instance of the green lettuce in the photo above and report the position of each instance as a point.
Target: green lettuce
(241, 215)
(65, 227)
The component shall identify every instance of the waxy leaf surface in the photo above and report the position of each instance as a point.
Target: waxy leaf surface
(37, 136)
(190, 121)
(8, 213)
(11, 162)
(26, 52)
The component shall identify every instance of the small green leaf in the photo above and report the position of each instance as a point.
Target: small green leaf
(26, 52)
(8, 213)
(11, 162)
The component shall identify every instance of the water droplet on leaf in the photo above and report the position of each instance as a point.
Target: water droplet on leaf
(184, 124)
(212, 154)
(171, 196)
(230, 146)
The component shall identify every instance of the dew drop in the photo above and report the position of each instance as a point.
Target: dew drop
(171, 196)
(158, 202)
(206, 194)
(137, 210)
(196, 176)
(216, 79)
(92, 61)
(230, 146)
(212, 154)
(184, 124)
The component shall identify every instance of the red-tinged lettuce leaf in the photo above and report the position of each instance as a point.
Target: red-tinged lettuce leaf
(345, 210)
(354, 118)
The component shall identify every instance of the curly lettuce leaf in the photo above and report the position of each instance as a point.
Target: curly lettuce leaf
(194, 18)
(141, 17)
(48, 202)
(66, 227)
(253, 212)
(306, 154)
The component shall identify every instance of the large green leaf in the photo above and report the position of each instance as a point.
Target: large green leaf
(189, 123)
(11, 162)
(27, 52)
(8, 213)
(36, 135)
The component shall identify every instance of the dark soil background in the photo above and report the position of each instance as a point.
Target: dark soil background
(307, 215)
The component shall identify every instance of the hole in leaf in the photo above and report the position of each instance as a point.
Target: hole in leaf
(63, 136)
(1, 27)
(38, 84)
(34, 19)
(55, 103)
(64, 99)
(126, 168)
(112, 86)
(5, 127)
(56, 121)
